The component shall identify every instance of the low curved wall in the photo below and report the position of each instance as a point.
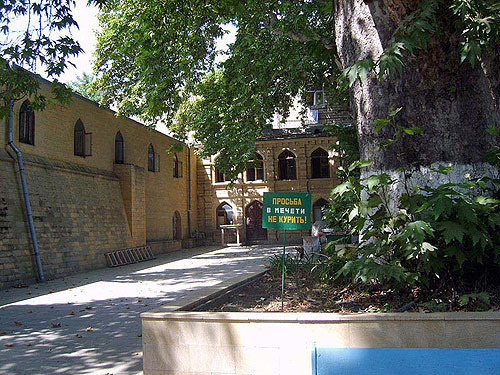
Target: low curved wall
(282, 343)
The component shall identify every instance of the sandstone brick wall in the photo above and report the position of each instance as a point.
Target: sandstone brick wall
(85, 206)
(79, 215)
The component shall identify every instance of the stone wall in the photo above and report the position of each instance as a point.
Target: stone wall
(84, 206)
(78, 214)
(239, 343)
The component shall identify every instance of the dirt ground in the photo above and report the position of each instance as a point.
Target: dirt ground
(303, 296)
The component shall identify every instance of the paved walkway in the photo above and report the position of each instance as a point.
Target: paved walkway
(89, 323)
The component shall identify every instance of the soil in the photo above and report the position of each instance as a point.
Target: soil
(302, 295)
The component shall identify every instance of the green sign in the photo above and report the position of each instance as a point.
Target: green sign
(287, 211)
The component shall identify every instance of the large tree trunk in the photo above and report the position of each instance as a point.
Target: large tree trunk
(452, 103)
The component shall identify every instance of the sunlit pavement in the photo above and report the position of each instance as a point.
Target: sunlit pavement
(89, 323)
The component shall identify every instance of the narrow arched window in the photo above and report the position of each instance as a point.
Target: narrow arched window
(119, 148)
(286, 166)
(319, 208)
(177, 167)
(176, 226)
(152, 157)
(255, 170)
(26, 124)
(79, 139)
(224, 214)
(319, 164)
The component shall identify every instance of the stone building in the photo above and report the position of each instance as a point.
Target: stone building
(98, 182)
(295, 154)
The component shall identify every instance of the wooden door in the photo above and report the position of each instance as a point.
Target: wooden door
(253, 214)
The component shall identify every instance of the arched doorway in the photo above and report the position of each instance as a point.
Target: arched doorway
(253, 217)
(176, 225)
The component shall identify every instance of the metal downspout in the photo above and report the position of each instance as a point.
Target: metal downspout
(27, 204)
(189, 192)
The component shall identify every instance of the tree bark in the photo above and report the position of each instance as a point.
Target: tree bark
(452, 103)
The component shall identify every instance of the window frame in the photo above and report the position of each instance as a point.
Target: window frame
(26, 124)
(320, 163)
(119, 153)
(153, 159)
(287, 164)
(318, 98)
(177, 167)
(256, 168)
(84, 147)
(219, 177)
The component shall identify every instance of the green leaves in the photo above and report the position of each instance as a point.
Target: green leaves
(158, 61)
(479, 23)
(451, 231)
(417, 230)
(32, 43)
(431, 233)
(361, 69)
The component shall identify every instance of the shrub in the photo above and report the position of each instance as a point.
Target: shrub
(433, 234)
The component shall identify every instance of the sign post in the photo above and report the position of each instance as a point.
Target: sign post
(286, 211)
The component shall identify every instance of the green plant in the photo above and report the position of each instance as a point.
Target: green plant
(432, 235)
(480, 301)
(293, 264)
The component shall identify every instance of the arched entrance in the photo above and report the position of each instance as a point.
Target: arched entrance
(253, 217)
(176, 226)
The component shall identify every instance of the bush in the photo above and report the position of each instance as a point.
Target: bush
(434, 235)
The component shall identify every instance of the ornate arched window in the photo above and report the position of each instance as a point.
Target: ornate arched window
(119, 148)
(26, 124)
(255, 170)
(286, 166)
(224, 214)
(177, 167)
(318, 209)
(82, 140)
(319, 164)
(153, 161)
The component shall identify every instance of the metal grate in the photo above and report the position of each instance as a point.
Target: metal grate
(129, 256)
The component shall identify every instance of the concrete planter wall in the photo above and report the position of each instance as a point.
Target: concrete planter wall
(276, 343)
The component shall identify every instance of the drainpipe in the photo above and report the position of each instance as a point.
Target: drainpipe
(25, 192)
(189, 192)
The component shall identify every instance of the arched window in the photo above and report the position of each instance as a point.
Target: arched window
(255, 170)
(318, 209)
(26, 124)
(119, 148)
(286, 166)
(219, 176)
(319, 164)
(153, 159)
(82, 140)
(177, 167)
(224, 214)
(176, 226)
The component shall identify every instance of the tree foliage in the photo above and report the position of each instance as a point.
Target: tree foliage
(83, 85)
(35, 35)
(164, 62)
(157, 57)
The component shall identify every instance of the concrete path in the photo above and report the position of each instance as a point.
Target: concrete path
(89, 323)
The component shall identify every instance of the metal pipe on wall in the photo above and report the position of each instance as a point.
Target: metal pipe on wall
(27, 204)
(189, 192)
